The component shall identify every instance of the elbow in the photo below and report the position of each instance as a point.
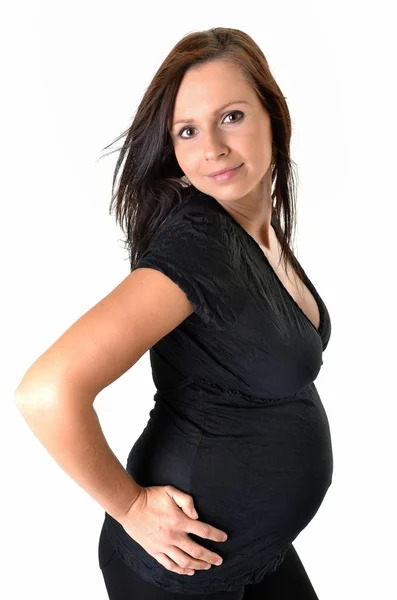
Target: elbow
(30, 399)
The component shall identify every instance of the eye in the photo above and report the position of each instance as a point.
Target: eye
(227, 115)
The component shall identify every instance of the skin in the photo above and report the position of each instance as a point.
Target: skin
(209, 142)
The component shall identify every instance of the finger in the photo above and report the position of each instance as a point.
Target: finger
(206, 531)
(169, 564)
(187, 561)
(197, 552)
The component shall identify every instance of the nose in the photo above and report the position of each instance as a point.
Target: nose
(213, 146)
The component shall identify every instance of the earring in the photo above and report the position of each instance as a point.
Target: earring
(185, 180)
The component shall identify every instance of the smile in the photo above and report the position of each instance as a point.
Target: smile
(226, 175)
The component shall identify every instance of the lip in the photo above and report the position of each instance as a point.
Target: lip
(224, 171)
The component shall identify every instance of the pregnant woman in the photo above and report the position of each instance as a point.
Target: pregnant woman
(236, 456)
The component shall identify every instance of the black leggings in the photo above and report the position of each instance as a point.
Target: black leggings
(288, 582)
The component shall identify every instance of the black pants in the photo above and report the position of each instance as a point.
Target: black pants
(288, 582)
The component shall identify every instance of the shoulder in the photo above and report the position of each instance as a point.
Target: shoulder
(199, 221)
(200, 208)
(195, 249)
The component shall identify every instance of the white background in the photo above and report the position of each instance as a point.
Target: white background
(73, 74)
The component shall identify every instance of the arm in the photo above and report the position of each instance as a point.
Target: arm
(73, 436)
(57, 393)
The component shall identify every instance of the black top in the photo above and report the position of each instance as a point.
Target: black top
(237, 421)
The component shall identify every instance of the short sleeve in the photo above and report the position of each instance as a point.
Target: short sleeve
(197, 253)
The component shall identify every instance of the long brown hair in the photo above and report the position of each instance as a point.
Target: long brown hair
(151, 185)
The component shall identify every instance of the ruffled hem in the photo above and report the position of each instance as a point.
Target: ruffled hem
(217, 579)
(218, 584)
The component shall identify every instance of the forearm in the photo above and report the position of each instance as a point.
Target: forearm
(74, 438)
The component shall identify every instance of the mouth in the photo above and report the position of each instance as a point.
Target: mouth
(224, 171)
(226, 175)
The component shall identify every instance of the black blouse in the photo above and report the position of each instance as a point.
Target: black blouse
(237, 422)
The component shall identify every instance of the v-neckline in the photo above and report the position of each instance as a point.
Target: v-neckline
(268, 263)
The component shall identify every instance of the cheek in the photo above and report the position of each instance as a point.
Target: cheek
(188, 160)
(256, 151)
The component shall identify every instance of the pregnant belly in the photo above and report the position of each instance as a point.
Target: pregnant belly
(262, 484)
(266, 489)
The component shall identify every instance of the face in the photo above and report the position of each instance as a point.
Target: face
(215, 138)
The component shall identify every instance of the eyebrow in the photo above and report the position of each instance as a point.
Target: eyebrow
(218, 110)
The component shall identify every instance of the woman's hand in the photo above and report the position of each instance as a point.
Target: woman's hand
(158, 524)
